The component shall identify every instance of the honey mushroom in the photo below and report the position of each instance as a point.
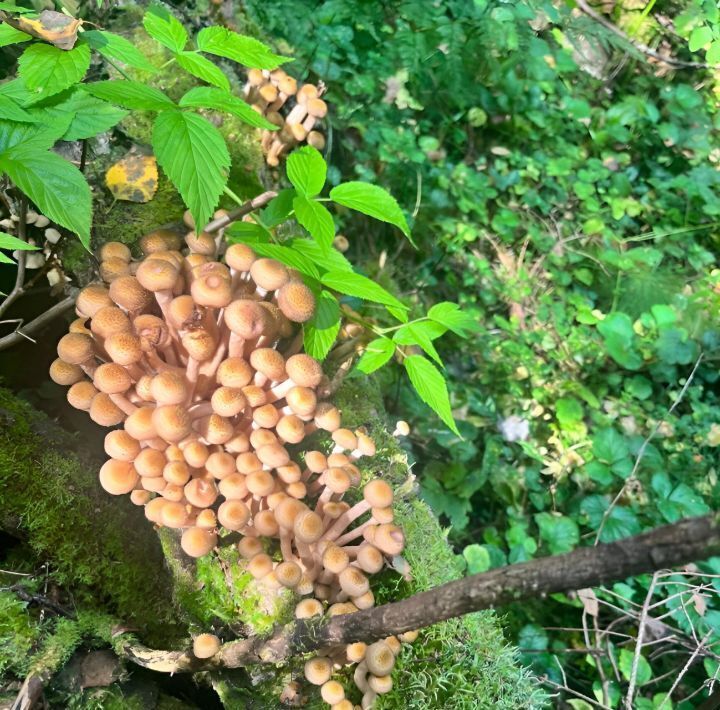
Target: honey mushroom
(194, 360)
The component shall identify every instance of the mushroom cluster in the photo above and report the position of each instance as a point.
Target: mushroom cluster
(196, 365)
(270, 93)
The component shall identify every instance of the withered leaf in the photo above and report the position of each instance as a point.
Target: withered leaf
(53, 27)
(134, 178)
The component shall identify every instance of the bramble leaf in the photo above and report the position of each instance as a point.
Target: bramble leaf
(9, 35)
(317, 220)
(12, 112)
(244, 50)
(219, 100)
(307, 170)
(321, 331)
(431, 388)
(377, 352)
(117, 48)
(165, 28)
(450, 315)
(129, 94)
(353, 284)
(47, 70)
(203, 68)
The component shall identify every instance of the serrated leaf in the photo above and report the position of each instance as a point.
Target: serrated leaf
(377, 352)
(317, 220)
(398, 314)
(91, 116)
(129, 94)
(117, 48)
(7, 241)
(278, 208)
(431, 329)
(40, 135)
(431, 388)
(699, 37)
(333, 260)
(415, 334)
(203, 68)
(165, 28)
(353, 284)
(194, 156)
(56, 186)
(16, 9)
(219, 100)
(9, 35)
(559, 532)
(307, 170)
(373, 201)
(244, 50)
(289, 257)
(47, 70)
(450, 315)
(321, 331)
(13, 112)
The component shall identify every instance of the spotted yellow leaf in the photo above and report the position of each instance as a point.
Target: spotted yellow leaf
(134, 178)
(54, 27)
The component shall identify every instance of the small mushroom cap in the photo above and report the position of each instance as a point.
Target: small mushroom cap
(104, 411)
(150, 462)
(308, 608)
(335, 559)
(336, 479)
(220, 464)
(356, 652)
(239, 257)
(316, 461)
(139, 424)
(79, 325)
(308, 526)
(176, 472)
(256, 396)
(201, 492)
(345, 439)
(379, 658)
(118, 477)
(316, 107)
(318, 670)
(288, 574)
(378, 493)
(200, 344)
(65, 373)
(129, 294)
(112, 378)
(233, 487)
(266, 416)
(248, 547)
(172, 422)
(153, 509)
(332, 692)
(124, 348)
(273, 455)
(327, 416)
(246, 319)
(260, 483)
(370, 559)
(152, 331)
(113, 268)
(302, 401)
(287, 510)
(388, 538)
(108, 321)
(195, 454)
(212, 291)
(316, 140)
(91, 299)
(75, 348)
(206, 645)
(120, 445)
(409, 636)
(353, 582)
(173, 515)
(157, 274)
(269, 274)
(233, 514)
(364, 601)
(269, 362)
(234, 372)
(181, 311)
(380, 684)
(260, 566)
(114, 250)
(265, 523)
(197, 542)
(160, 240)
(296, 301)
(206, 519)
(169, 387)
(304, 370)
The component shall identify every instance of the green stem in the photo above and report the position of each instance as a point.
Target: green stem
(233, 196)
(167, 63)
(117, 68)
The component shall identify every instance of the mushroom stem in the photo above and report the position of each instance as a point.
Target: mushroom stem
(122, 402)
(346, 518)
(354, 533)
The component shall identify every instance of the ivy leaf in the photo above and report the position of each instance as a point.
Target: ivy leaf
(203, 68)
(91, 116)
(12, 112)
(194, 156)
(559, 532)
(219, 100)
(165, 28)
(48, 70)
(377, 352)
(317, 220)
(7, 241)
(244, 50)
(373, 201)
(415, 334)
(431, 387)
(129, 94)
(56, 186)
(9, 35)
(450, 315)
(322, 329)
(117, 48)
(353, 284)
(307, 170)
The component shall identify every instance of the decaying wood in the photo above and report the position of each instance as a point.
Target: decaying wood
(667, 546)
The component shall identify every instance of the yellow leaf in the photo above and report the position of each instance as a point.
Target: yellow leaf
(54, 27)
(134, 178)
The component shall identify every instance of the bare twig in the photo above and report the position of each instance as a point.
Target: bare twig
(250, 206)
(22, 258)
(685, 669)
(639, 644)
(37, 324)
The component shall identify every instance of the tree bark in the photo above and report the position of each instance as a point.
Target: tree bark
(667, 546)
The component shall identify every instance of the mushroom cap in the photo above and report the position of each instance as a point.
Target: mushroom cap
(228, 401)
(152, 331)
(169, 387)
(289, 473)
(200, 344)
(112, 378)
(260, 566)
(233, 486)
(273, 455)
(181, 311)
(201, 492)
(336, 479)
(266, 416)
(65, 373)
(287, 510)
(206, 519)
(288, 574)
(364, 601)
(389, 539)
(308, 608)
(318, 670)
(378, 493)
(172, 422)
(113, 268)
(234, 372)
(308, 526)
(176, 473)
(316, 461)
(380, 684)
(248, 547)
(307, 91)
(220, 464)
(92, 298)
(212, 291)
(256, 396)
(202, 243)
(265, 523)
(379, 658)
(195, 454)
(353, 582)
(79, 325)
(81, 394)
(345, 439)
(75, 348)
(316, 107)
(335, 559)
(157, 274)
(269, 274)
(304, 370)
(327, 416)
(115, 250)
(260, 483)
(118, 477)
(269, 362)
(160, 240)
(296, 301)
(150, 462)
(110, 320)
(197, 542)
(233, 514)
(316, 140)
(246, 318)
(124, 348)
(140, 425)
(205, 645)
(332, 692)
(239, 257)
(104, 411)
(216, 429)
(120, 445)
(173, 515)
(356, 651)
(370, 559)
(129, 294)
(302, 401)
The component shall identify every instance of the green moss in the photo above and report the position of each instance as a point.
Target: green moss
(19, 634)
(99, 546)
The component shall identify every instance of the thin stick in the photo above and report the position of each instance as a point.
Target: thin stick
(37, 324)
(20, 277)
(639, 644)
(232, 216)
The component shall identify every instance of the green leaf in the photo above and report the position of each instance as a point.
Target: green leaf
(377, 352)
(333, 260)
(569, 411)
(625, 664)
(559, 532)
(194, 156)
(91, 116)
(353, 284)
(431, 387)
(307, 170)
(219, 100)
(56, 186)
(165, 28)
(712, 56)
(9, 35)
(609, 446)
(278, 208)
(11, 111)
(373, 201)
(7, 241)
(48, 70)
(699, 37)
(117, 48)
(129, 94)
(450, 315)
(477, 558)
(203, 68)
(17, 9)
(321, 331)
(290, 257)
(416, 334)
(619, 337)
(244, 50)
(317, 220)
(40, 135)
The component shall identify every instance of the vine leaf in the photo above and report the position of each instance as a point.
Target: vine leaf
(321, 331)
(431, 388)
(194, 156)
(165, 28)
(219, 100)
(244, 50)
(376, 354)
(48, 70)
(203, 68)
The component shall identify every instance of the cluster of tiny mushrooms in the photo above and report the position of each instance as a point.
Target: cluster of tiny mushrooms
(197, 365)
(269, 93)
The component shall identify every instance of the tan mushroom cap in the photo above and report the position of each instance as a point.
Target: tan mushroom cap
(269, 274)
(269, 362)
(150, 463)
(140, 425)
(112, 378)
(288, 574)
(296, 301)
(379, 658)
(308, 608)
(233, 486)
(110, 320)
(197, 542)
(248, 547)
(113, 268)
(206, 645)
(378, 493)
(304, 370)
(91, 299)
(65, 373)
(169, 387)
(302, 400)
(260, 566)
(104, 411)
(212, 291)
(75, 348)
(234, 372)
(160, 240)
(129, 293)
(201, 492)
(353, 582)
(157, 274)
(246, 319)
(172, 422)
(233, 514)
(202, 243)
(115, 250)
(124, 348)
(118, 477)
(265, 523)
(81, 394)
(120, 445)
